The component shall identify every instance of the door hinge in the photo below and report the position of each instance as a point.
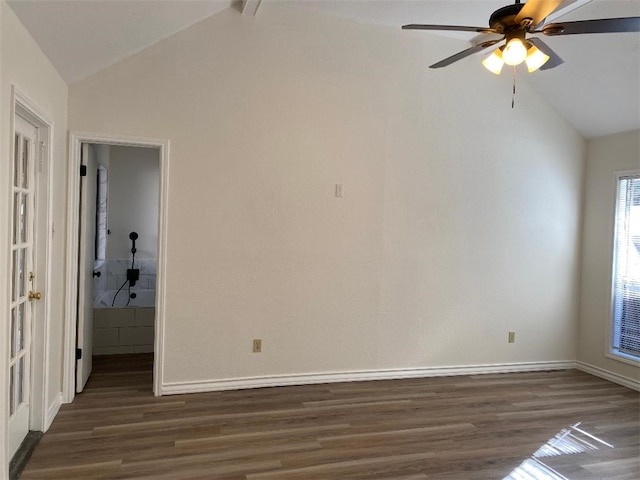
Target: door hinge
(78, 353)
(83, 170)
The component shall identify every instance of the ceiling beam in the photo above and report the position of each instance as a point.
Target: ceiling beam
(250, 7)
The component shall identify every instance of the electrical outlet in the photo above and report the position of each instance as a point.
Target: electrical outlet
(339, 190)
(257, 345)
(512, 337)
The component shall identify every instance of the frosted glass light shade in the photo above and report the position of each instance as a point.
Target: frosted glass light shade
(494, 62)
(514, 52)
(535, 59)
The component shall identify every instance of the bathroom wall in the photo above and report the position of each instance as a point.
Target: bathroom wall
(134, 176)
(103, 154)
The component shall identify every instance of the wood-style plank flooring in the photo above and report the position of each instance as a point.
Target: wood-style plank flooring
(465, 427)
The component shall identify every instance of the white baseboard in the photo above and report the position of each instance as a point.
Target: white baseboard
(52, 411)
(607, 375)
(356, 376)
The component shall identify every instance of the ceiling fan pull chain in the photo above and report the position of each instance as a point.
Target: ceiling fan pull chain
(513, 95)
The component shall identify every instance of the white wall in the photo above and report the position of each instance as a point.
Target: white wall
(460, 218)
(134, 183)
(23, 65)
(605, 156)
(102, 154)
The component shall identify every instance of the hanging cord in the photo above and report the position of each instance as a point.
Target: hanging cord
(116, 295)
(513, 95)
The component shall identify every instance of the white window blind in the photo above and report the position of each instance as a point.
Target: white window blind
(626, 281)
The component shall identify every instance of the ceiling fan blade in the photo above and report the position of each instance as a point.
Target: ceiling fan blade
(464, 53)
(455, 28)
(602, 25)
(537, 10)
(554, 59)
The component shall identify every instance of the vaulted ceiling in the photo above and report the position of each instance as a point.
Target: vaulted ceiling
(597, 89)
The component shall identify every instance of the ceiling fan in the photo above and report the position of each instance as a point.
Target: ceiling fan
(516, 23)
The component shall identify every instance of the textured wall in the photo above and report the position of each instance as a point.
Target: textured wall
(460, 218)
(605, 156)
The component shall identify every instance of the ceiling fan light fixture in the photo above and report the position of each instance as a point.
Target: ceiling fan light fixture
(494, 62)
(514, 52)
(535, 58)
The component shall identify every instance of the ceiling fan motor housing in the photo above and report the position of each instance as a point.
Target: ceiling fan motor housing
(503, 19)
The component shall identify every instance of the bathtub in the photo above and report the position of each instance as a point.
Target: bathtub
(123, 328)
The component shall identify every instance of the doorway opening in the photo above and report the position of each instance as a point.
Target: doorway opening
(120, 205)
(121, 246)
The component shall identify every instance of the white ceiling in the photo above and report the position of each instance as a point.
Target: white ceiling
(81, 37)
(597, 89)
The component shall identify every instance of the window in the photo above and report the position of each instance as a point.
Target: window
(626, 269)
(101, 218)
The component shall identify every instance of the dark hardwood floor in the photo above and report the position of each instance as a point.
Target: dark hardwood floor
(467, 427)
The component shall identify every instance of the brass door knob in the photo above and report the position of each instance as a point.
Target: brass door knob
(35, 295)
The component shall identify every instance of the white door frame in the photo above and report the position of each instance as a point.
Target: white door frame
(41, 404)
(76, 139)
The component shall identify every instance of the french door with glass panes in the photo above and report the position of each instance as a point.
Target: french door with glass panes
(22, 280)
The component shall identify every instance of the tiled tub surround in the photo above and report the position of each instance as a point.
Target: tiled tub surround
(144, 298)
(113, 274)
(123, 330)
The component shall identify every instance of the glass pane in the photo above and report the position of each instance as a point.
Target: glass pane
(16, 159)
(627, 268)
(22, 219)
(15, 225)
(26, 147)
(20, 327)
(12, 391)
(14, 276)
(101, 218)
(20, 271)
(19, 382)
(14, 320)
